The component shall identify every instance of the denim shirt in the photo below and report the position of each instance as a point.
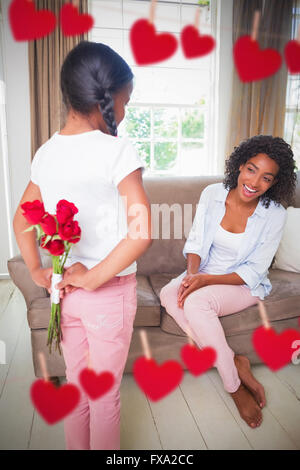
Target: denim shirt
(262, 237)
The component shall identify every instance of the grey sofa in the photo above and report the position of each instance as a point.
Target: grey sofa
(162, 262)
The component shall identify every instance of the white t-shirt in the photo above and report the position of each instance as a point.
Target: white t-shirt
(223, 251)
(85, 169)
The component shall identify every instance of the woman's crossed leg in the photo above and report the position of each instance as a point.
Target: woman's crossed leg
(199, 318)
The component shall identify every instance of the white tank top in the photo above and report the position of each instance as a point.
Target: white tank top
(223, 251)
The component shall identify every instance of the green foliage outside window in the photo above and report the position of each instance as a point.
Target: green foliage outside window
(165, 155)
(138, 122)
(165, 121)
(143, 149)
(193, 124)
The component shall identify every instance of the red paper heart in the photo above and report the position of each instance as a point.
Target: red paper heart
(53, 403)
(27, 23)
(273, 348)
(72, 22)
(195, 45)
(292, 56)
(155, 380)
(253, 63)
(94, 384)
(198, 361)
(149, 47)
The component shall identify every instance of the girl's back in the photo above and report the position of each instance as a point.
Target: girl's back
(85, 169)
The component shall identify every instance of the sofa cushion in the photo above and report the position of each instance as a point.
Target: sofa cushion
(158, 281)
(148, 304)
(282, 304)
(148, 310)
(38, 314)
(173, 206)
(285, 284)
(288, 253)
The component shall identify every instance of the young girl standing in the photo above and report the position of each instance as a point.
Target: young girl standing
(86, 164)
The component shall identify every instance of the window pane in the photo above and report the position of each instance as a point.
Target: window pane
(193, 124)
(143, 149)
(137, 122)
(289, 126)
(165, 154)
(193, 161)
(296, 141)
(165, 122)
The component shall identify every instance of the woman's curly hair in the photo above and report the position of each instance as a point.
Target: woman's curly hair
(277, 149)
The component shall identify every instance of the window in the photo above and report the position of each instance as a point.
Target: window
(169, 115)
(292, 116)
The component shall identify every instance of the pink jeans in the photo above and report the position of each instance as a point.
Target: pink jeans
(200, 314)
(99, 323)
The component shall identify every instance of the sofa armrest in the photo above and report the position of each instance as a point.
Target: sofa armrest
(21, 277)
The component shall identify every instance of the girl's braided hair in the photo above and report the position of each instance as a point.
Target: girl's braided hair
(91, 73)
(277, 149)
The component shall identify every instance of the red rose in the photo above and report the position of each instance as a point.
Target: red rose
(76, 233)
(70, 231)
(65, 211)
(48, 224)
(43, 239)
(55, 247)
(33, 211)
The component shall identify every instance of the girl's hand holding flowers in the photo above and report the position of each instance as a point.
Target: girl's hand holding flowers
(189, 284)
(42, 277)
(73, 277)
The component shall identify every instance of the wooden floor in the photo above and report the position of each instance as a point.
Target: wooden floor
(197, 415)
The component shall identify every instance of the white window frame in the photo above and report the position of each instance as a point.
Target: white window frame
(214, 126)
(152, 139)
(292, 109)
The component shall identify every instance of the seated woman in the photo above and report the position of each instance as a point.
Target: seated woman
(235, 234)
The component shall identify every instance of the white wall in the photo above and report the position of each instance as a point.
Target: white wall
(4, 225)
(225, 70)
(16, 74)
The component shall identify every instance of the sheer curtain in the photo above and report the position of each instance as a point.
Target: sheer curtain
(292, 120)
(259, 107)
(46, 56)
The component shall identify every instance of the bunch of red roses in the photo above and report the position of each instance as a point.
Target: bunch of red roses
(55, 229)
(56, 233)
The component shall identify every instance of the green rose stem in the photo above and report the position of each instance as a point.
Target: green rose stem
(66, 255)
(54, 329)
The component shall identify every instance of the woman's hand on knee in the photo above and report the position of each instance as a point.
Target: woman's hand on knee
(179, 294)
(189, 284)
(185, 283)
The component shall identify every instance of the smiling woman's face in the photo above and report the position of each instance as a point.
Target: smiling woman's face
(256, 176)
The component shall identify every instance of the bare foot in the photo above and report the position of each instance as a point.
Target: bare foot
(244, 370)
(248, 408)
